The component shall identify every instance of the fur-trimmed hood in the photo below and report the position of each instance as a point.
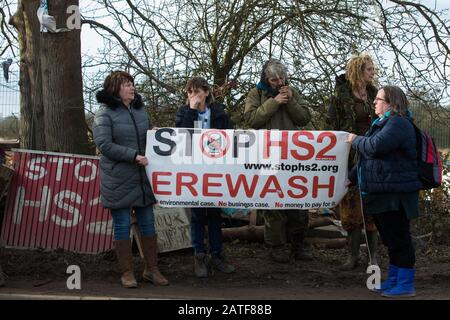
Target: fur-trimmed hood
(113, 102)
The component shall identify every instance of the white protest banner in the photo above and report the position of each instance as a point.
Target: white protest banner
(260, 169)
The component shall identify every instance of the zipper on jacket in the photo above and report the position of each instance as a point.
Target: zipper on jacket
(139, 152)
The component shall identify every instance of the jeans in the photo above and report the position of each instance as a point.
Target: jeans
(122, 221)
(211, 217)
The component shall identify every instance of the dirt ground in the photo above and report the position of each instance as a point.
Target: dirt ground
(38, 272)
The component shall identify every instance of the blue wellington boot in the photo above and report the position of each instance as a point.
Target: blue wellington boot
(391, 280)
(404, 286)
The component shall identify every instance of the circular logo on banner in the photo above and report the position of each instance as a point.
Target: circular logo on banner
(214, 143)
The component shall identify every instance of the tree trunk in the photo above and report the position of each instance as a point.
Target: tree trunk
(62, 85)
(52, 108)
(31, 106)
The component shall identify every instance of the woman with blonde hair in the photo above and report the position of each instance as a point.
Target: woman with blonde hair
(351, 110)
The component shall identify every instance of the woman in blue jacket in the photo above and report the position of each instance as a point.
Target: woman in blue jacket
(389, 184)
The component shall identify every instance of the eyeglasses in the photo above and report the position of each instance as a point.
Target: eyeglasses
(376, 99)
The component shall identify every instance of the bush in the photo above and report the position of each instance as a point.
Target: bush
(9, 128)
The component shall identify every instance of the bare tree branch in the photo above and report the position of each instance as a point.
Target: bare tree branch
(147, 72)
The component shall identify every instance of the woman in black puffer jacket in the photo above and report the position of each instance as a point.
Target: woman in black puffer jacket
(388, 178)
(120, 133)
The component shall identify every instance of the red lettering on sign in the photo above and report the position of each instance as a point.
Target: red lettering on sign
(156, 182)
(277, 188)
(293, 184)
(241, 180)
(321, 155)
(267, 144)
(316, 186)
(207, 184)
(188, 184)
(304, 145)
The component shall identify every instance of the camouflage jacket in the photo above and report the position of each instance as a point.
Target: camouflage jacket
(341, 113)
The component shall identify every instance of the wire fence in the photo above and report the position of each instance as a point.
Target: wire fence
(9, 96)
(9, 104)
(436, 122)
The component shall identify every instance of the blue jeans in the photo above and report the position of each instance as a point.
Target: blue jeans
(122, 221)
(211, 217)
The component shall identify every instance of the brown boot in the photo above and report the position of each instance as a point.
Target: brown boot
(125, 257)
(151, 271)
(354, 242)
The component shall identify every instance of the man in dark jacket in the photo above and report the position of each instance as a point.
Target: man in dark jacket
(202, 112)
(275, 105)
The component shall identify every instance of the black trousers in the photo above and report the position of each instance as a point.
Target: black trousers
(393, 227)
